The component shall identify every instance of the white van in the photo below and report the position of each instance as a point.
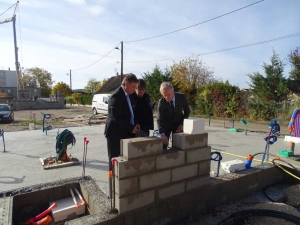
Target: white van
(100, 103)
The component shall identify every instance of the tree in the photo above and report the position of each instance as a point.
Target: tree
(38, 77)
(93, 85)
(76, 96)
(272, 86)
(190, 74)
(294, 78)
(218, 98)
(153, 81)
(62, 88)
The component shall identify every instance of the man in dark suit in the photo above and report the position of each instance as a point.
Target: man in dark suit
(120, 122)
(140, 102)
(172, 109)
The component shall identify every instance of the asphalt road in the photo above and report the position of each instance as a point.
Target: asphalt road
(20, 165)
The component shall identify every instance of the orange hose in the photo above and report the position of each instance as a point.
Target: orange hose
(43, 221)
(30, 221)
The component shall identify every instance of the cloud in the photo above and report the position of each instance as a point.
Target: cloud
(76, 2)
(95, 10)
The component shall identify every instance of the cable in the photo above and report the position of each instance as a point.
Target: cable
(8, 9)
(227, 49)
(80, 74)
(98, 60)
(171, 32)
(108, 67)
(237, 218)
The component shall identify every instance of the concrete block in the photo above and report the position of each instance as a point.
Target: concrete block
(208, 191)
(160, 209)
(184, 172)
(170, 160)
(126, 168)
(66, 207)
(115, 221)
(31, 126)
(136, 201)
(126, 186)
(246, 180)
(155, 179)
(142, 216)
(141, 147)
(229, 185)
(198, 154)
(216, 200)
(187, 141)
(128, 218)
(197, 182)
(233, 165)
(204, 167)
(171, 190)
(237, 194)
(193, 126)
(186, 200)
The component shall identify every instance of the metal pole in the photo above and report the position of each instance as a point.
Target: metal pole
(16, 56)
(71, 80)
(71, 84)
(121, 62)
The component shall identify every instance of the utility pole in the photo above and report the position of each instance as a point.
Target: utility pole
(121, 62)
(71, 80)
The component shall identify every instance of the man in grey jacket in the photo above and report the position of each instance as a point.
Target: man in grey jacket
(173, 108)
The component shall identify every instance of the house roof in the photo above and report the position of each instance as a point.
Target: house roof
(78, 91)
(112, 84)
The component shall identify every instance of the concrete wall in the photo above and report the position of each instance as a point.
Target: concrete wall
(145, 175)
(153, 187)
(35, 105)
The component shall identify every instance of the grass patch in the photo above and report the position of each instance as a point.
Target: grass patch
(38, 122)
(27, 122)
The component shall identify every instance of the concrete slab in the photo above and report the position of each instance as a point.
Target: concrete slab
(20, 165)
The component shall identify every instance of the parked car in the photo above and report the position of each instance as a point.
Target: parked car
(100, 103)
(6, 113)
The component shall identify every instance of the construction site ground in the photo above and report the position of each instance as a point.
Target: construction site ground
(20, 165)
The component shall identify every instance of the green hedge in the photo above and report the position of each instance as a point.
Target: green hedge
(85, 100)
(69, 100)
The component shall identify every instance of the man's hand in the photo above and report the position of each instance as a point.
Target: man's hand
(165, 139)
(136, 129)
(179, 129)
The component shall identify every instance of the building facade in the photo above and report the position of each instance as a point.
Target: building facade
(9, 87)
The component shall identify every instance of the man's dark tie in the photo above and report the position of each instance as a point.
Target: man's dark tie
(172, 106)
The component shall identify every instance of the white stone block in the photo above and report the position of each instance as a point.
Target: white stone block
(292, 139)
(66, 207)
(233, 165)
(193, 126)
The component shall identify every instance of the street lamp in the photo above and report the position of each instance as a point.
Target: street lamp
(121, 60)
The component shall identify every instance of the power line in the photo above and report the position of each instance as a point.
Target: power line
(171, 32)
(97, 60)
(227, 49)
(109, 67)
(8, 9)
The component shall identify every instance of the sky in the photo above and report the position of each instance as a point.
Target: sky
(81, 36)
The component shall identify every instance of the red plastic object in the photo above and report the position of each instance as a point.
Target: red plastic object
(43, 221)
(30, 221)
(113, 160)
